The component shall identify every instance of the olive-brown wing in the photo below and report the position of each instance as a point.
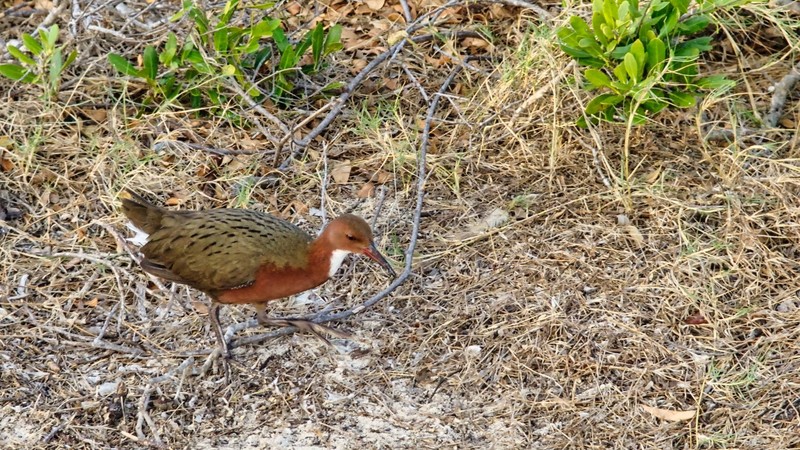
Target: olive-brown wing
(222, 249)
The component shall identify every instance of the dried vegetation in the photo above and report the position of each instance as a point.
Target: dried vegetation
(551, 304)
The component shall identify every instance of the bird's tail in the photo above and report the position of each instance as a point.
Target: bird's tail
(142, 214)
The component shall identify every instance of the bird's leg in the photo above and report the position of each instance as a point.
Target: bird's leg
(214, 316)
(301, 324)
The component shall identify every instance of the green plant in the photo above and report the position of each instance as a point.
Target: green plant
(46, 64)
(642, 59)
(194, 73)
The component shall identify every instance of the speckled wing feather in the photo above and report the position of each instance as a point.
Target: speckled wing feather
(221, 249)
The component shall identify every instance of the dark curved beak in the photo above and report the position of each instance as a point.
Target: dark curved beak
(372, 253)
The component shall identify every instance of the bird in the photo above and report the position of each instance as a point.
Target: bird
(241, 256)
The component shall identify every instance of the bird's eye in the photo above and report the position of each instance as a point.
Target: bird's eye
(351, 237)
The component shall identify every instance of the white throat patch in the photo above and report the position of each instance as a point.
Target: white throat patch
(337, 258)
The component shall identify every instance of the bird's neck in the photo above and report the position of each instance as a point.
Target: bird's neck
(324, 259)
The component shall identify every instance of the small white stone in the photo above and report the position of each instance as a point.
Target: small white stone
(473, 351)
(90, 405)
(107, 388)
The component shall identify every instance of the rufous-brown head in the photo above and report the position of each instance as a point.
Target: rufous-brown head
(351, 234)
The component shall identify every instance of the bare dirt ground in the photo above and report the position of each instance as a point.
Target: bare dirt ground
(551, 303)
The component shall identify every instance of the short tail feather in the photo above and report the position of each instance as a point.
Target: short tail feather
(144, 215)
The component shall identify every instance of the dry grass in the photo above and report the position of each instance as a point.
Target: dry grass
(676, 289)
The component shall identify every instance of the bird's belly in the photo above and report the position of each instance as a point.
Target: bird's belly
(269, 285)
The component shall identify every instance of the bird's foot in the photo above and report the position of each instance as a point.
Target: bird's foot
(306, 325)
(221, 355)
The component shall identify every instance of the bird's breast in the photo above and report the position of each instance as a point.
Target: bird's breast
(272, 283)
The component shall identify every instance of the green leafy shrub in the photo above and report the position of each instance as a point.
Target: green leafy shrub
(259, 57)
(642, 59)
(44, 65)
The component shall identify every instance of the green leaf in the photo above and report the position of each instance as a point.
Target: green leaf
(214, 96)
(659, 5)
(623, 88)
(193, 56)
(56, 64)
(638, 118)
(597, 78)
(623, 10)
(235, 37)
(21, 57)
(301, 47)
(52, 36)
(590, 47)
(631, 67)
(686, 55)
(567, 36)
(580, 27)
(150, 63)
(264, 28)
(574, 52)
(202, 67)
(682, 99)
(187, 48)
(592, 62)
(602, 102)
(654, 106)
(70, 59)
(656, 54)
(266, 5)
(637, 50)
(250, 47)
(288, 59)
(609, 12)
(608, 31)
(43, 39)
(32, 44)
(334, 86)
(333, 41)
(701, 44)
(317, 38)
(598, 22)
(681, 5)
(587, 43)
(620, 51)
(122, 65)
(280, 40)
(227, 13)
(196, 99)
(260, 57)
(170, 50)
(669, 25)
(16, 72)
(178, 15)
(694, 24)
(200, 20)
(621, 73)
(228, 70)
(169, 87)
(715, 82)
(254, 92)
(221, 40)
